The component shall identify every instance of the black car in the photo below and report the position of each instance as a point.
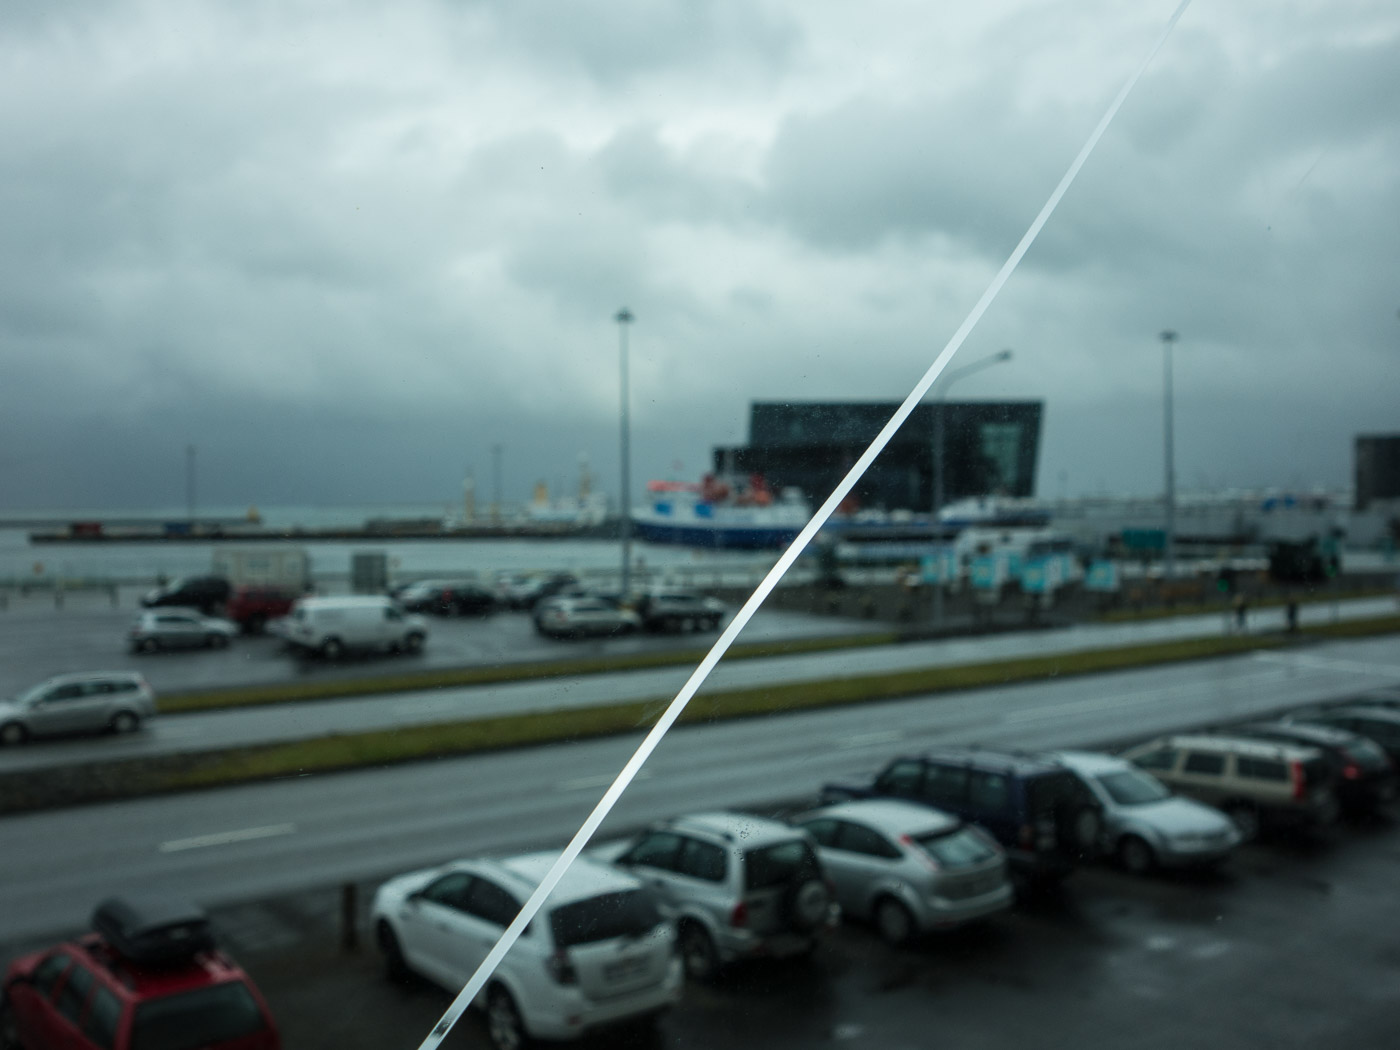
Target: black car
(208, 594)
(447, 598)
(1042, 813)
(1364, 774)
(1381, 724)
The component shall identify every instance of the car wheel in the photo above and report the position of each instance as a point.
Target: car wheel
(688, 625)
(395, 966)
(1135, 855)
(218, 641)
(503, 1022)
(125, 722)
(698, 953)
(332, 649)
(9, 1033)
(894, 921)
(255, 624)
(150, 645)
(12, 734)
(413, 643)
(1246, 820)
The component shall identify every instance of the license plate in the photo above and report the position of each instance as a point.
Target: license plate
(621, 969)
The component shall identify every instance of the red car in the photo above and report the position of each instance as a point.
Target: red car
(252, 607)
(151, 980)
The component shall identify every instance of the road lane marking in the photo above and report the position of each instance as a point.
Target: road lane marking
(1327, 663)
(224, 838)
(602, 780)
(888, 736)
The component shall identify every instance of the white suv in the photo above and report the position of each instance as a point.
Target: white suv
(599, 952)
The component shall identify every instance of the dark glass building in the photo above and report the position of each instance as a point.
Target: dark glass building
(1377, 468)
(989, 448)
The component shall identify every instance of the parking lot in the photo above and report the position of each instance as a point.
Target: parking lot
(1292, 942)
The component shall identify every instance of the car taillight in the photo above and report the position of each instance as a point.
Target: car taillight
(1351, 771)
(739, 917)
(920, 852)
(561, 968)
(1300, 783)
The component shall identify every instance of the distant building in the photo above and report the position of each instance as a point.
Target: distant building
(1377, 468)
(989, 448)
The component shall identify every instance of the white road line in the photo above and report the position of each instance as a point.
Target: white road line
(602, 780)
(888, 736)
(224, 838)
(1325, 663)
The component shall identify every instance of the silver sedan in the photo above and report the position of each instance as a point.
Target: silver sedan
(908, 869)
(179, 629)
(1145, 825)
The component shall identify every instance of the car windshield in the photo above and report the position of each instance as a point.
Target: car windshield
(626, 913)
(958, 848)
(1131, 787)
(199, 1018)
(782, 864)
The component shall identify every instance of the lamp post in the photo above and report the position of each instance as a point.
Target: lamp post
(623, 319)
(1168, 337)
(496, 484)
(949, 378)
(189, 482)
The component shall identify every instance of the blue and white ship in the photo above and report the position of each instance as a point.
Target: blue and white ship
(711, 514)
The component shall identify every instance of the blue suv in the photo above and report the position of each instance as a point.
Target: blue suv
(1042, 814)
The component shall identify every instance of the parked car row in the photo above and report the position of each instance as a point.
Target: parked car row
(933, 841)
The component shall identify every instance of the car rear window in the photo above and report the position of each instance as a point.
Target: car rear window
(200, 1018)
(1131, 788)
(1047, 792)
(777, 865)
(629, 913)
(958, 848)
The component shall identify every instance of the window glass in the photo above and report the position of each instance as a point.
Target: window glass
(990, 792)
(450, 890)
(961, 847)
(191, 1020)
(1261, 768)
(104, 1015)
(1204, 763)
(74, 992)
(859, 839)
(1164, 758)
(903, 778)
(946, 785)
(777, 865)
(656, 850)
(1131, 788)
(489, 902)
(823, 830)
(702, 860)
(629, 913)
(48, 972)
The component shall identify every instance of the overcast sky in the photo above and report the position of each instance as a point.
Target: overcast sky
(346, 248)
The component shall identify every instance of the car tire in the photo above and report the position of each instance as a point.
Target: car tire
(9, 1032)
(255, 625)
(1135, 855)
(124, 722)
(689, 625)
(413, 643)
(149, 645)
(503, 1025)
(1246, 820)
(698, 953)
(396, 968)
(332, 649)
(893, 921)
(12, 734)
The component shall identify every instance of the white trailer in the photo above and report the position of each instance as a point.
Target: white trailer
(271, 566)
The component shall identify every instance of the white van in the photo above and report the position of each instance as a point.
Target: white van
(331, 626)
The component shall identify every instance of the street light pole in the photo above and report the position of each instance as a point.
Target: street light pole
(1169, 337)
(496, 484)
(949, 378)
(189, 482)
(624, 318)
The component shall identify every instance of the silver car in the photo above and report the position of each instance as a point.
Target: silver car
(76, 703)
(907, 868)
(1145, 825)
(739, 886)
(179, 629)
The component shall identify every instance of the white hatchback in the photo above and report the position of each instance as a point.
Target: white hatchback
(599, 952)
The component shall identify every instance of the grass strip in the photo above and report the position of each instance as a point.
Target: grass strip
(417, 681)
(1223, 606)
(385, 747)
